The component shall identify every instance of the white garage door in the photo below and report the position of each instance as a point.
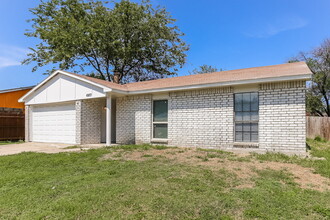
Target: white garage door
(54, 123)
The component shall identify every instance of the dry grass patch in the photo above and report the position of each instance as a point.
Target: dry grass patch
(244, 167)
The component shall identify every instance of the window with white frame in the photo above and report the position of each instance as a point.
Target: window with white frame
(160, 119)
(246, 117)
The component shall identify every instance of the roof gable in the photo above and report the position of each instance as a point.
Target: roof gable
(60, 87)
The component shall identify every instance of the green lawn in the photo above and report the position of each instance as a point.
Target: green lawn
(139, 182)
(10, 142)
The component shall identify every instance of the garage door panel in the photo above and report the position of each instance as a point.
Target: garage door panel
(54, 123)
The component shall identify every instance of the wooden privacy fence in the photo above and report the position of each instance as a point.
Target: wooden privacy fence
(318, 126)
(11, 124)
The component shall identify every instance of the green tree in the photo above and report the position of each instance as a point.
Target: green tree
(204, 69)
(314, 103)
(318, 94)
(136, 41)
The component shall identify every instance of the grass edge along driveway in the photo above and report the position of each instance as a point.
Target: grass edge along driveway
(10, 142)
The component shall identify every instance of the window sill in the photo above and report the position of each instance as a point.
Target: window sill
(246, 145)
(159, 140)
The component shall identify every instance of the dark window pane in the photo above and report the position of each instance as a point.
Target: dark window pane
(246, 116)
(160, 130)
(160, 111)
(238, 102)
(246, 102)
(238, 136)
(254, 116)
(246, 127)
(254, 101)
(254, 127)
(239, 127)
(254, 136)
(246, 136)
(239, 116)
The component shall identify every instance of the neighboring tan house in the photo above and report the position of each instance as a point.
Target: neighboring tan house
(260, 108)
(9, 97)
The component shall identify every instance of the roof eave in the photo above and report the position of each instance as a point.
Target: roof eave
(169, 89)
(16, 89)
(220, 84)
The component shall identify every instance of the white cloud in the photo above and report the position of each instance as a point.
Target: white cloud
(277, 26)
(5, 62)
(11, 55)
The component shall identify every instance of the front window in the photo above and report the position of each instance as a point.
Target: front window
(246, 117)
(160, 115)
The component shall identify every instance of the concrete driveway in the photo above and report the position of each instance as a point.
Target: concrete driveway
(35, 147)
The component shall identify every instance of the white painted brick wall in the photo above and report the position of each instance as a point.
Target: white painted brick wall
(78, 121)
(205, 118)
(133, 124)
(201, 118)
(88, 115)
(27, 123)
(282, 120)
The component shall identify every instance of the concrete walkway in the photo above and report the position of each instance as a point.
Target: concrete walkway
(49, 148)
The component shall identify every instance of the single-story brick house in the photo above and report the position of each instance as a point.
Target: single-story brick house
(259, 108)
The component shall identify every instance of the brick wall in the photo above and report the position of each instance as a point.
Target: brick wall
(27, 123)
(133, 119)
(282, 121)
(78, 121)
(205, 118)
(88, 119)
(201, 118)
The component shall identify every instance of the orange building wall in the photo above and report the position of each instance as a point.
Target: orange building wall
(10, 99)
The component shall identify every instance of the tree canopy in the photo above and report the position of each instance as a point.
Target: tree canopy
(137, 41)
(318, 94)
(204, 69)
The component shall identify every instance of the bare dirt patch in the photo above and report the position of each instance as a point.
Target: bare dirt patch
(244, 167)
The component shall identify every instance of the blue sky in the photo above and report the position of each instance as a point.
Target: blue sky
(227, 34)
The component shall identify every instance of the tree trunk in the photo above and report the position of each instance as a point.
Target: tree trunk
(116, 76)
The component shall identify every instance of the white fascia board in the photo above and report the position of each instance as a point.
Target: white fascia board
(59, 102)
(118, 91)
(105, 89)
(212, 85)
(85, 80)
